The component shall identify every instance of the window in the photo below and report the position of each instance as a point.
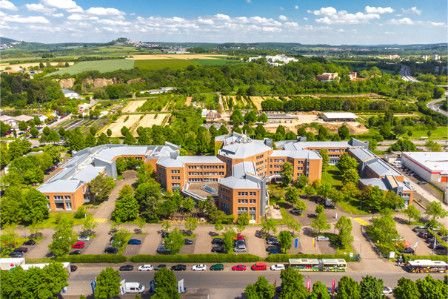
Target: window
(175, 171)
(59, 206)
(68, 205)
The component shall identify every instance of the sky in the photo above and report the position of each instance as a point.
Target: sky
(334, 22)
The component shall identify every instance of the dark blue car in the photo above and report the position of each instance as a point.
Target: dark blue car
(134, 242)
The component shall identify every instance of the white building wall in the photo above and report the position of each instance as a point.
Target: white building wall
(420, 171)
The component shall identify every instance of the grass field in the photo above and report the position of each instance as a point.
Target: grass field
(157, 64)
(102, 66)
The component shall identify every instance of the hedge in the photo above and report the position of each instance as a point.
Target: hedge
(93, 258)
(411, 257)
(285, 257)
(196, 258)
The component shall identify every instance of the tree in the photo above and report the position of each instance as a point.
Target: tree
(166, 285)
(107, 284)
(302, 181)
(285, 240)
(261, 289)
(250, 117)
(431, 288)
(126, 208)
(229, 237)
(344, 132)
(63, 238)
(348, 288)
(319, 291)
(292, 286)
(325, 158)
(236, 118)
(320, 223)
(33, 206)
(262, 117)
(435, 210)
(101, 187)
(406, 289)
(319, 209)
(287, 173)
(269, 225)
(346, 162)
(174, 241)
(403, 145)
(88, 223)
(412, 212)
(4, 128)
(18, 148)
(191, 223)
(292, 194)
(350, 176)
(371, 287)
(345, 237)
(383, 230)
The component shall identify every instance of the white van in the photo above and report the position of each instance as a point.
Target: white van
(133, 288)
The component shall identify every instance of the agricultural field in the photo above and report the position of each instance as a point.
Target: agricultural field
(133, 121)
(240, 102)
(133, 106)
(206, 100)
(150, 120)
(102, 66)
(162, 103)
(176, 56)
(157, 64)
(17, 67)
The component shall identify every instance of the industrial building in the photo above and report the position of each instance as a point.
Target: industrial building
(430, 166)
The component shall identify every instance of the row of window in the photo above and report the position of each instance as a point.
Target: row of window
(206, 173)
(246, 201)
(247, 193)
(206, 167)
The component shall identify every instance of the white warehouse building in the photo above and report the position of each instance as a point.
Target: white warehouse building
(430, 166)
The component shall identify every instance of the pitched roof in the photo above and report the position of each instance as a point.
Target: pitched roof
(244, 150)
(238, 183)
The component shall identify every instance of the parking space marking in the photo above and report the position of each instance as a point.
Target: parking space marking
(361, 221)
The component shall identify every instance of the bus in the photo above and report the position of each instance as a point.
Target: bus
(333, 265)
(306, 265)
(427, 266)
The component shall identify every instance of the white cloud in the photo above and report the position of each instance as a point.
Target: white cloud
(413, 10)
(329, 15)
(68, 5)
(26, 19)
(437, 24)
(283, 18)
(378, 10)
(7, 5)
(402, 21)
(104, 11)
(39, 7)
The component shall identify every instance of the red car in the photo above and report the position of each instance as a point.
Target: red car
(259, 267)
(239, 237)
(239, 268)
(79, 245)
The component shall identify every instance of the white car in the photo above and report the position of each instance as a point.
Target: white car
(322, 238)
(145, 268)
(387, 291)
(278, 267)
(83, 238)
(200, 267)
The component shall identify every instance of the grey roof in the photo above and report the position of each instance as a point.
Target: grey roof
(338, 115)
(60, 186)
(381, 168)
(238, 183)
(319, 144)
(362, 154)
(169, 162)
(434, 161)
(241, 169)
(109, 154)
(374, 182)
(301, 154)
(88, 173)
(244, 150)
(200, 159)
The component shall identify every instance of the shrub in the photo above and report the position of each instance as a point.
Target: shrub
(93, 258)
(196, 258)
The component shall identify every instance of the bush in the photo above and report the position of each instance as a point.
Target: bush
(93, 258)
(284, 258)
(196, 258)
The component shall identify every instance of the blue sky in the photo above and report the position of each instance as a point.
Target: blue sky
(304, 21)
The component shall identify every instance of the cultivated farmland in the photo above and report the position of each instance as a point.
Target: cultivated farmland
(162, 103)
(102, 66)
(132, 106)
(150, 120)
(133, 121)
(175, 56)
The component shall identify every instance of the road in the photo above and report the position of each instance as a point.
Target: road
(405, 73)
(227, 284)
(435, 106)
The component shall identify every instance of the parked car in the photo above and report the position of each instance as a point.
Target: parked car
(329, 204)
(126, 268)
(111, 250)
(188, 242)
(240, 237)
(322, 238)
(199, 267)
(79, 245)
(217, 267)
(239, 268)
(218, 241)
(387, 291)
(213, 234)
(75, 252)
(158, 267)
(145, 268)
(424, 234)
(29, 243)
(179, 267)
(73, 268)
(273, 249)
(134, 242)
(260, 234)
(113, 231)
(163, 250)
(21, 249)
(187, 232)
(137, 231)
(84, 238)
(219, 249)
(240, 246)
(164, 234)
(36, 236)
(408, 250)
(272, 241)
(16, 254)
(296, 211)
(277, 267)
(259, 267)
(420, 228)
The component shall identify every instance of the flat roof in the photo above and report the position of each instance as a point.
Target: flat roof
(434, 161)
(297, 154)
(244, 149)
(299, 145)
(238, 183)
(337, 115)
(60, 186)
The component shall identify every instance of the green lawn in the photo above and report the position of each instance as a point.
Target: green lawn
(331, 176)
(157, 64)
(102, 66)
(51, 222)
(439, 133)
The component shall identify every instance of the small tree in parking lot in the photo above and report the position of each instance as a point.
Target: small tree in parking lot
(229, 237)
(269, 225)
(285, 240)
(191, 223)
(174, 241)
(320, 223)
(242, 221)
(413, 213)
(63, 238)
